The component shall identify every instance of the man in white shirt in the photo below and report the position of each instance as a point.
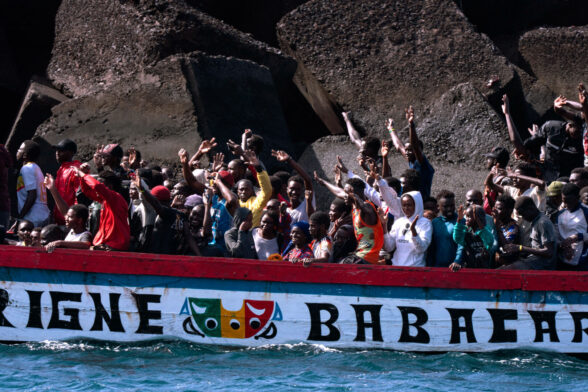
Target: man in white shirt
(572, 228)
(30, 190)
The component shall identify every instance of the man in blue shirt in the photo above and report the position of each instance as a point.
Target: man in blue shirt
(443, 251)
(413, 152)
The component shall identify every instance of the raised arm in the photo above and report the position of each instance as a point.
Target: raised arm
(246, 135)
(59, 202)
(232, 200)
(490, 184)
(207, 222)
(533, 180)
(265, 185)
(152, 200)
(513, 133)
(412, 135)
(353, 134)
(559, 107)
(204, 148)
(335, 190)
(385, 150)
(398, 144)
(283, 156)
(196, 185)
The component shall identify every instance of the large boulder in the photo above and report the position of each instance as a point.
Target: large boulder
(174, 104)
(101, 42)
(375, 57)
(557, 57)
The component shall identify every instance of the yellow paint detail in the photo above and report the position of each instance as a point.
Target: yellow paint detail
(230, 316)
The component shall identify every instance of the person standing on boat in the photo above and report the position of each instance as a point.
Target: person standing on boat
(538, 249)
(247, 197)
(410, 235)
(366, 221)
(66, 180)
(268, 241)
(30, 189)
(572, 228)
(474, 235)
(113, 230)
(322, 244)
(443, 250)
(239, 239)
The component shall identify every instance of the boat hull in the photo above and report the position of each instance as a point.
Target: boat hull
(128, 297)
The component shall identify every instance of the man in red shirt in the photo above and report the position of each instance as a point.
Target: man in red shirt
(66, 180)
(113, 231)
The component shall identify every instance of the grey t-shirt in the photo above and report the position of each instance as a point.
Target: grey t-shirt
(539, 233)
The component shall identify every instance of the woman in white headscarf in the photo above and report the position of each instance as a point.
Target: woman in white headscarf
(411, 234)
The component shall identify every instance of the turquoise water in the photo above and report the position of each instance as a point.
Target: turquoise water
(181, 366)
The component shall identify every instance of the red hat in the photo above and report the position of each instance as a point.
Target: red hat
(114, 150)
(227, 178)
(161, 193)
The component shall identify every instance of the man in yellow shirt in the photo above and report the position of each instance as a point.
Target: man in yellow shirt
(245, 193)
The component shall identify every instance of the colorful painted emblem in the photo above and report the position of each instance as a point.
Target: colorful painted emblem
(254, 318)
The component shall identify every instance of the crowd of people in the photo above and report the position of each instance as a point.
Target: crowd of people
(531, 215)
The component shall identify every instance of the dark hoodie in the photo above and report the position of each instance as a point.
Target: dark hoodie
(240, 243)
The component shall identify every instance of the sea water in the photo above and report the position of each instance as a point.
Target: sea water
(182, 366)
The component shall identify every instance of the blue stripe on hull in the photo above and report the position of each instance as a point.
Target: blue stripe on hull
(418, 293)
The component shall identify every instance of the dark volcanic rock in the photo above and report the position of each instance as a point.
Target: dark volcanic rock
(461, 127)
(172, 105)
(103, 41)
(34, 110)
(375, 57)
(557, 57)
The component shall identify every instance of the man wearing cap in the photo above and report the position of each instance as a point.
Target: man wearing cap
(553, 201)
(496, 160)
(66, 180)
(111, 156)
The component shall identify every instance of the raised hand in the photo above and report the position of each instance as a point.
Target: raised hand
(99, 156)
(337, 172)
(409, 114)
(533, 130)
(207, 145)
(49, 181)
(280, 155)
(235, 148)
(385, 149)
(582, 94)
(136, 180)
(413, 226)
(460, 212)
(183, 154)
(133, 157)
(383, 218)
(308, 195)
(178, 201)
(318, 179)
(559, 102)
(390, 125)
(505, 105)
(345, 116)
(250, 158)
(341, 165)
(85, 168)
(247, 133)
(217, 162)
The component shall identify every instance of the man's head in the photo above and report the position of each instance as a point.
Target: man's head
(446, 203)
(181, 188)
(269, 224)
(28, 151)
(255, 143)
(354, 187)
(167, 173)
(498, 155)
(295, 190)
(76, 217)
(410, 180)
(284, 176)
(525, 207)
(237, 169)
(276, 185)
(24, 230)
(112, 154)
(65, 150)
(584, 195)
(319, 224)
(370, 146)
(574, 129)
(579, 177)
(430, 204)
(273, 205)
(244, 190)
(525, 169)
(571, 196)
(110, 180)
(162, 194)
(554, 194)
(51, 233)
(503, 207)
(475, 217)
(36, 237)
(408, 205)
(196, 218)
(337, 209)
(474, 197)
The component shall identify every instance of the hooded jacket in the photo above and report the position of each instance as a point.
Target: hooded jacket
(240, 243)
(410, 251)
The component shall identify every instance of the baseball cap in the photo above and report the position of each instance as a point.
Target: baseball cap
(499, 153)
(66, 145)
(114, 150)
(554, 189)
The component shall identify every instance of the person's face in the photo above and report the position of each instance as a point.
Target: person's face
(407, 205)
(348, 192)
(576, 178)
(316, 230)
(470, 219)
(573, 131)
(20, 152)
(298, 237)
(341, 237)
(519, 183)
(268, 226)
(366, 152)
(474, 198)
(294, 191)
(409, 152)
(133, 192)
(24, 231)
(237, 170)
(244, 191)
(490, 163)
(63, 156)
(36, 238)
(501, 211)
(334, 213)
(167, 173)
(584, 198)
(71, 220)
(527, 213)
(447, 207)
(554, 201)
(431, 206)
(196, 217)
(571, 202)
(273, 205)
(179, 189)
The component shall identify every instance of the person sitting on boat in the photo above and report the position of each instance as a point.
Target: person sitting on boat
(113, 230)
(538, 249)
(141, 220)
(280, 208)
(51, 233)
(23, 231)
(443, 250)
(507, 228)
(169, 224)
(36, 237)
(298, 187)
(247, 197)
(410, 235)
(474, 236)
(239, 239)
(344, 243)
(268, 241)
(30, 190)
(66, 181)
(298, 250)
(366, 222)
(77, 237)
(339, 215)
(572, 229)
(322, 244)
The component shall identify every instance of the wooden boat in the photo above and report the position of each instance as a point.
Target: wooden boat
(71, 294)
